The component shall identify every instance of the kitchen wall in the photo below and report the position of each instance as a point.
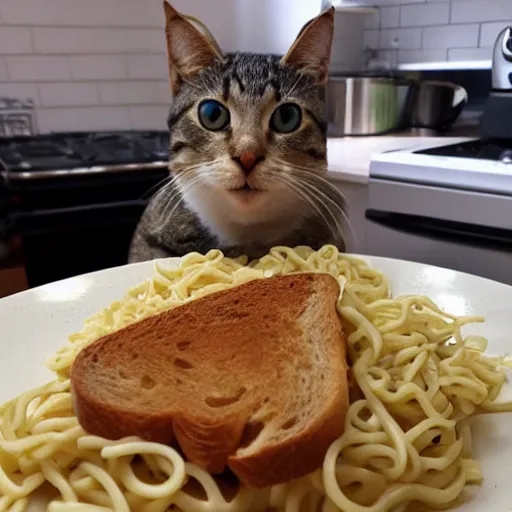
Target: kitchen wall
(407, 31)
(101, 64)
(94, 64)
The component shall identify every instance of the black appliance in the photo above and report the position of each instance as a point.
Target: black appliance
(4, 222)
(495, 143)
(497, 118)
(75, 198)
(499, 150)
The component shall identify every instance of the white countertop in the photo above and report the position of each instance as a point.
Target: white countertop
(349, 157)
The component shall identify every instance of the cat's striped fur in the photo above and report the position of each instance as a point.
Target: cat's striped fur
(209, 201)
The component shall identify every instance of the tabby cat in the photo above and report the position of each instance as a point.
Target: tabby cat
(247, 150)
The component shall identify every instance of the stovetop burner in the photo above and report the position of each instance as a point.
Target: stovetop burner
(78, 150)
(496, 150)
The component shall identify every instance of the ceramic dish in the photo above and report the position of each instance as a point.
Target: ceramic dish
(34, 324)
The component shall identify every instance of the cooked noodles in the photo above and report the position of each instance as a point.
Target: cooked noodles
(407, 437)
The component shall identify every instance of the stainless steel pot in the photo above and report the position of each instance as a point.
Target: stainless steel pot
(375, 105)
(367, 105)
(437, 105)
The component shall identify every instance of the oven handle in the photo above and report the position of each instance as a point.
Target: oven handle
(10, 176)
(89, 215)
(450, 231)
(47, 212)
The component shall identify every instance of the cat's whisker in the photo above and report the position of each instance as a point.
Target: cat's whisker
(155, 188)
(324, 194)
(171, 203)
(193, 183)
(293, 87)
(312, 172)
(324, 183)
(193, 166)
(179, 175)
(172, 187)
(323, 191)
(329, 204)
(289, 183)
(310, 177)
(183, 183)
(308, 168)
(306, 197)
(339, 220)
(163, 193)
(165, 182)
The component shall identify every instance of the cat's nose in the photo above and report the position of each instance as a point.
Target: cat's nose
(248, 161)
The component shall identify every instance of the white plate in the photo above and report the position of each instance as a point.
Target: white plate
(35, 323)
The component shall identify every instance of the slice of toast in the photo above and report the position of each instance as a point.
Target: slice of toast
(254, 378)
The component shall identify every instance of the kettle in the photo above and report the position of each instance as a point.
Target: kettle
(497, 117)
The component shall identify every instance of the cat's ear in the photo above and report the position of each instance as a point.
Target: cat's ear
(311, 51)
(188, 50)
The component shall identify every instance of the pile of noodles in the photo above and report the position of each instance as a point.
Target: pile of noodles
(407, 440)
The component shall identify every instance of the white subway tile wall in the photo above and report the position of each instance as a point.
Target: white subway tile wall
(68, 94)
(407, 38)
(407, 31)
(451, 36)
(3, 69)
(389, 17)
(101, 64)
(88, 65)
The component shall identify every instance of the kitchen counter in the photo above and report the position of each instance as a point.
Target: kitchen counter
(349, 170)
(349, 157)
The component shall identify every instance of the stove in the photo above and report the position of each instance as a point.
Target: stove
(75, 198)
(466, 164)
(79, 153)
(446, 203)
(494, 150)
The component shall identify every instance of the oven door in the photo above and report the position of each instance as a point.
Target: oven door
(64, 242)
(5, 222)
(78, 223)
(463, 231)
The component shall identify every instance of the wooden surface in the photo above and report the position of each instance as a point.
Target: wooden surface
(12, 280)
(12, 271)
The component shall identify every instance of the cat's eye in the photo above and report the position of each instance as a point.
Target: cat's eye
(213, 115)
(286, 118)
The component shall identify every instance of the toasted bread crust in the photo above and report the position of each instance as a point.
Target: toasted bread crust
(200, 374)
(295, 457)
